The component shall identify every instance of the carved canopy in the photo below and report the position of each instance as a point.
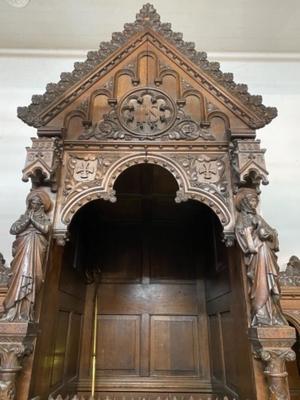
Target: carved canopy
(146, 96)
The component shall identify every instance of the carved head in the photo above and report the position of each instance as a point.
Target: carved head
(247, 200)
(38, 200)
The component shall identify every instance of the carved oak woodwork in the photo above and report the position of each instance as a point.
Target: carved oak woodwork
(149, 100)
(29, 250)
(16, 342)
(274, 349)
(42, 162)
(259, 242)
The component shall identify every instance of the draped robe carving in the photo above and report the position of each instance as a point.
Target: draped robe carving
(29, 250)
(259, 243)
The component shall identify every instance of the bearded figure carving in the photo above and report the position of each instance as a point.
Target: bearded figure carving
(259, 243)
(29, 250)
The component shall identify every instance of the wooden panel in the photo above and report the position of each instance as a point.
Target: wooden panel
(172, 255)
(216, 348)
(229, 350)
(73, 346)
(121, 253)
(99, 107)
(118, 344)
(148, 298)
(174, 346)
(60, 347)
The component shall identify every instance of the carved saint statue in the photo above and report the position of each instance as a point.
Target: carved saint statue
(29, 250)
(259, 243)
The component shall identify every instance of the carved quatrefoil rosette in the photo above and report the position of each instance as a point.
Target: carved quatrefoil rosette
(147, 112)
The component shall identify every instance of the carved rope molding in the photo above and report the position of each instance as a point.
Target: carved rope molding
(186, 191)
(58, 95)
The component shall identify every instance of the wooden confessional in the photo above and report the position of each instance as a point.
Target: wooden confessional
(144, 159)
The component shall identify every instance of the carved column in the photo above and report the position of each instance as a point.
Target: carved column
(15, 342)
(273, 347)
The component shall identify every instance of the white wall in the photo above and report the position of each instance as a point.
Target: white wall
(278, 82)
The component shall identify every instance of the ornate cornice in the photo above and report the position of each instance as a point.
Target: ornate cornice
(40, 111)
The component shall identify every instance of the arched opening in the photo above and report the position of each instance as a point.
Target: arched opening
(162, 322)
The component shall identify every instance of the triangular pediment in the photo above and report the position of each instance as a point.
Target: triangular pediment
(147, 27)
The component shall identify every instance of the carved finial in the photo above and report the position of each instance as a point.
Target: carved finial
(148, 15)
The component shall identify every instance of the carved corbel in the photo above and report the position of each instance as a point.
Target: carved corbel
(273, 347)
(61, 237)
(228, 239)
(248, 163)
(42, 162)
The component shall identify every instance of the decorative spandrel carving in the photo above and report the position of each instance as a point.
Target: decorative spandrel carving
(206, 173)
(42, 162)
(59, 95)
(248, 163)
(85, 171)
(146, 114)
(259, 243)
(29, 250)
(4, 271)
(291, 276)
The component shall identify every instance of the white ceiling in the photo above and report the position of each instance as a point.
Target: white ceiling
(260, 26)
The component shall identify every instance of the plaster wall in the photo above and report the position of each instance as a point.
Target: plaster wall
(277, 80)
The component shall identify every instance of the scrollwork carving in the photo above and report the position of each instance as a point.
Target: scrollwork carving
(85, 171)
(146, 114)
(206, 173)
(29, 250)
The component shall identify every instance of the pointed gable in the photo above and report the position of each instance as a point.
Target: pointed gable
(147, 26)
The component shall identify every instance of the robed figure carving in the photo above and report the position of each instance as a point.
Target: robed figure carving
(29, 250)
(259, 243)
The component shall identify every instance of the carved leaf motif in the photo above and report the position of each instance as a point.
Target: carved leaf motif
(84, 172)
(206, 173)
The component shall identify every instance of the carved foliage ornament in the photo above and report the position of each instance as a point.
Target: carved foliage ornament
(206, 173)
(146, 114)
(85, 171)
(275, 370)
(147, 18)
